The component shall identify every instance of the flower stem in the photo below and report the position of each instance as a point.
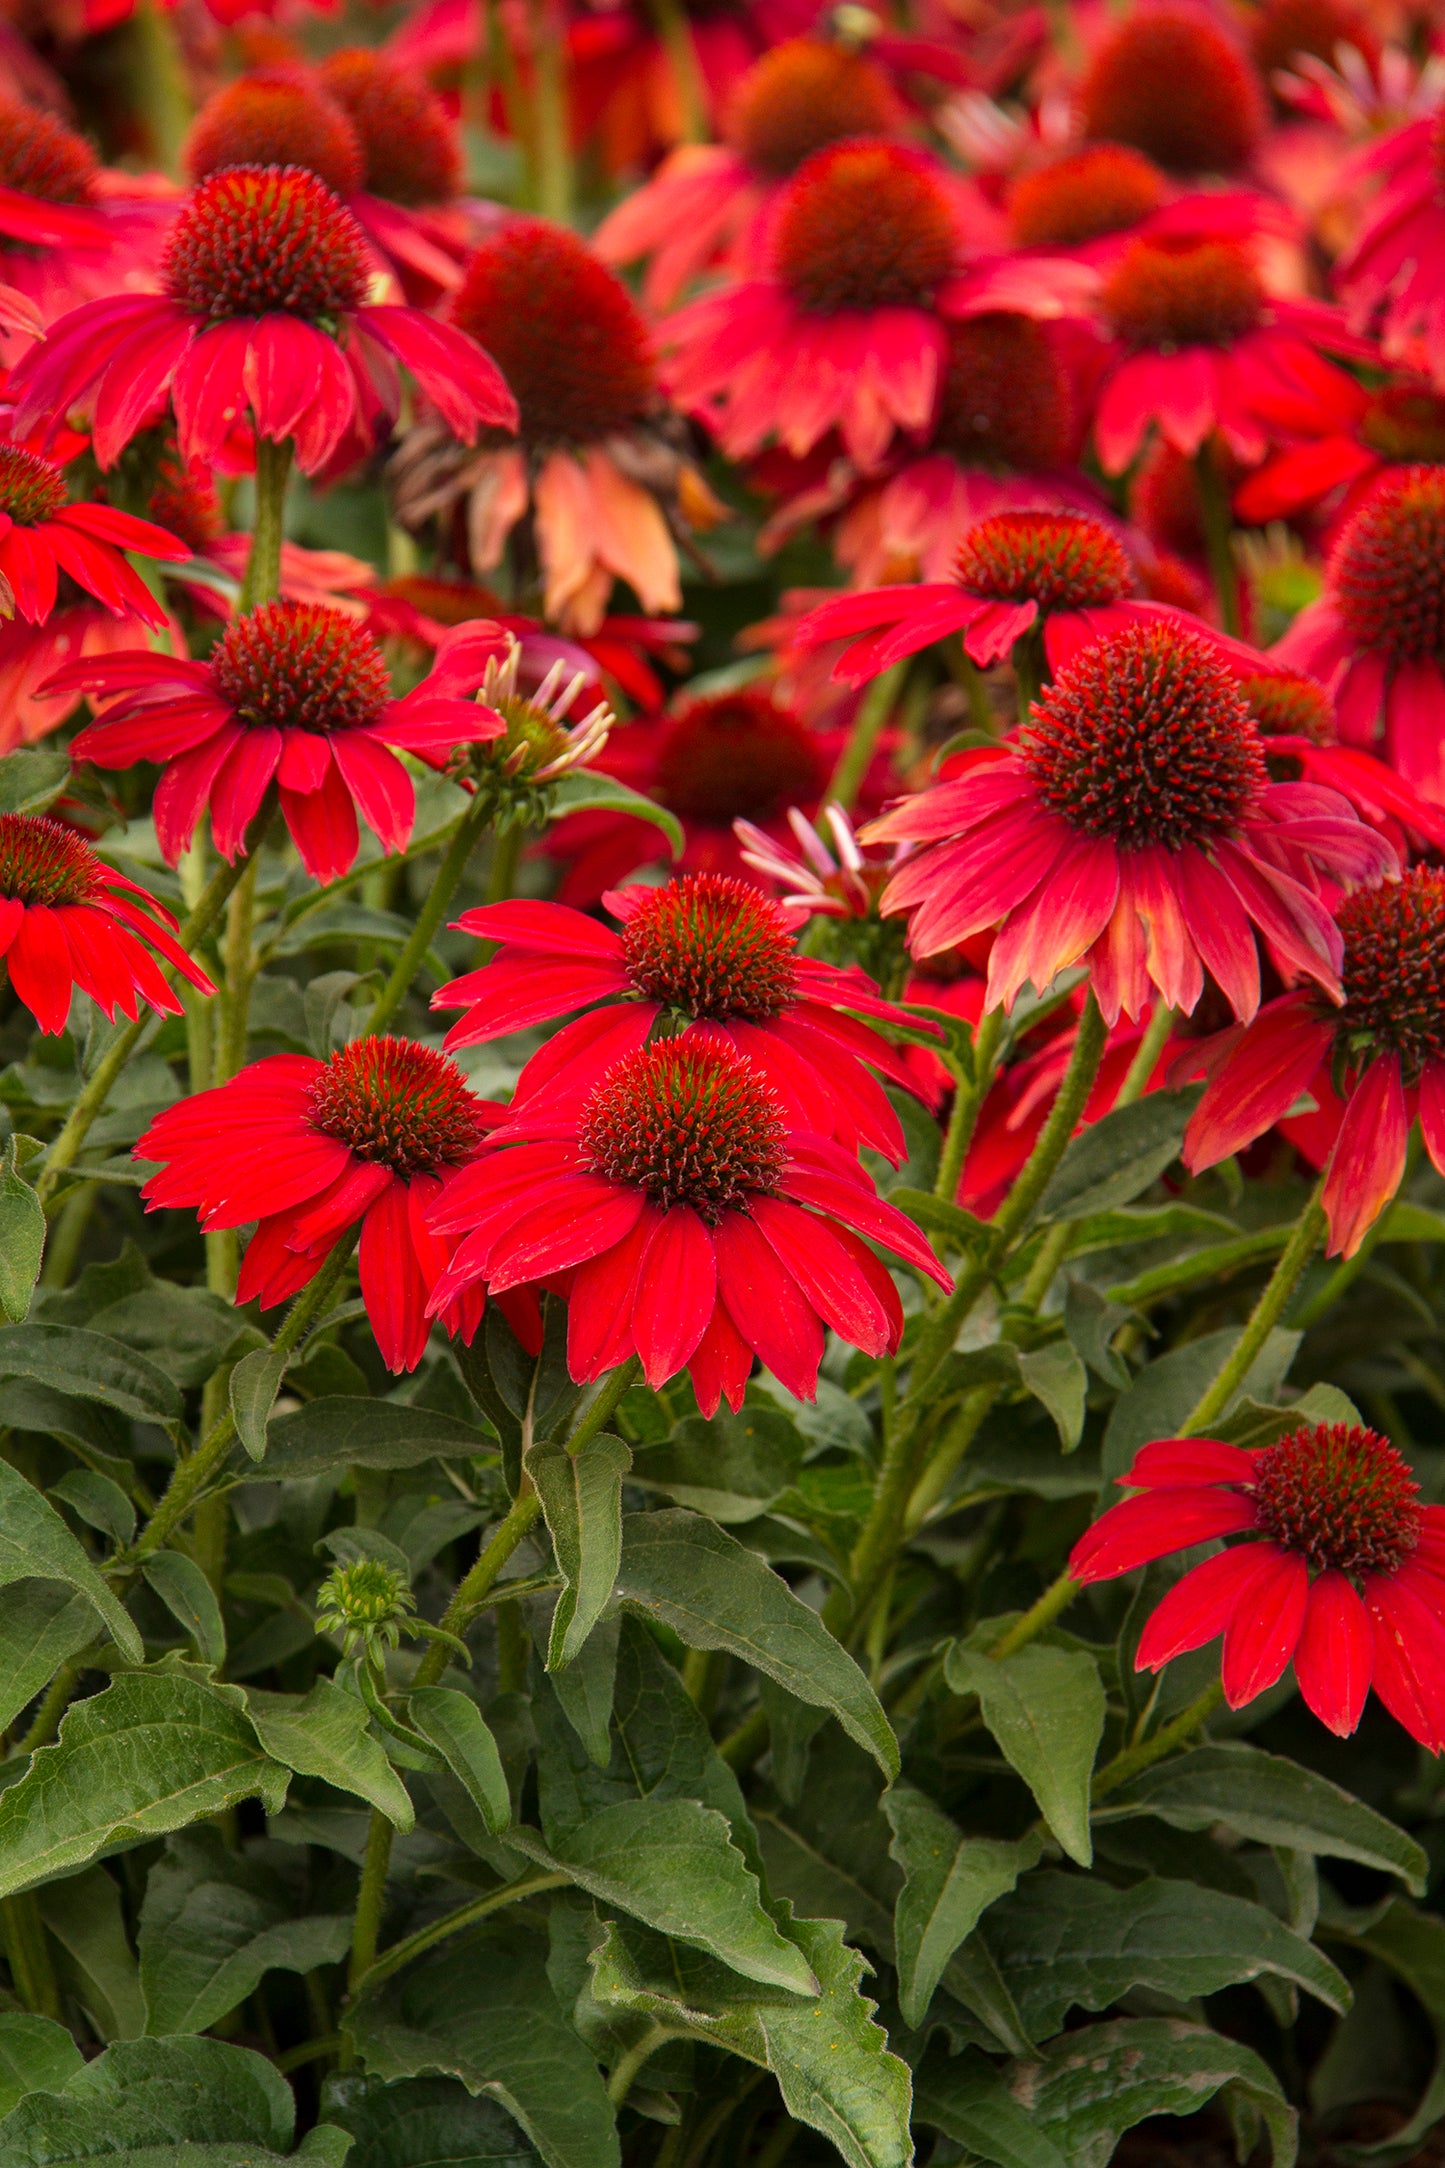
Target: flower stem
(619, 2085)
(1170, 1735)
(370, 1900)
(1146, 1055)
(92, 1100)
(472, 1592)
(968, 1099)
(263, 567)
(857, 754)
(676, 35)
(604, 1405)
(193, 1473)
(433, 911)
(1056, 1598)
(1218, 537)
(1262, 1321)
(158, 85)
(552, 157)
(455, 1923)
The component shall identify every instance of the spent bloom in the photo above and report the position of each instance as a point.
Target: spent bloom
(685, 1222)
(310, 1148)
(68, 919)
(1342, 1575)
(1383, 1048)
(1131, 826)
(706, 953)
(263, 309)
(293, 693)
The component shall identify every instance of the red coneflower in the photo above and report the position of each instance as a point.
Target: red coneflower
(692, 1228)
(711, 953)
(1376, 635)
(308, 1148)
(295, 692)
(1384, 1047)
(264, 309)
(1102, 189)
(1131, 826)
(1171, 83)
(1341, 442)
(43, 534)
(68, 919)
(1344, 1575)
(1394, 266)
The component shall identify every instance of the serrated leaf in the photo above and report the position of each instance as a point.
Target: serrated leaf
(830, 2058)
(1116, 1158)
(715, 1594)
(585, 790)
(190, 1598)
(158, 2104)
(36, 2054)
(22, 1234)
(484, 2012)
(452, 1723)
(338, 1431)
(255, 1382)
(36, 1544)
(949, 1881)
(1270, 1800)
(1045, 1708)
(581, 1496)
(212, 1925)
(90, 1366)
(423, 2123)
(325, 1733)
(1057, 1379)
(147, 1756)
(672, 1864)
(1062, 1940)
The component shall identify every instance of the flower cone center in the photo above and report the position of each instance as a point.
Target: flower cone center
(689, 1124)
(257, 238)
(300, 666)
(712, 947)
(401, 1104)
(1060, 560)
(864, 226)
(42, 861)
(1340, 1495)
(1388, 569)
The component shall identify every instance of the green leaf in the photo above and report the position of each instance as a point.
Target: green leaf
(484, 2012)
(937, 1216)
(584, 1690)
(94, 1960)
(36, 2054)
(213, 1924)
(36, 1544)
(1412, 1945)
(42, 1624)
(714, 1594)
(255, 1382)
(22, 1233)
(949, 1881)
(189, 1597)
(1406, 1222)
(32, 776)
(581, 1496)
(732, 1468)
(1117, 1157)
(184, 1331)
(90, 1366)
(1045, 1708)
(326, 1734)
(1162, 1395)
(452, 1723)
(148, 1755)
(158, 2104)
(830, 2058)
(423, 2123)
(1062, 1940)
(1073, 2103)
(586, 791)
(1056, 1377)
(673, 1865)
(339, 1431)
(1269, 1800)
(98, 1501)
(1215, 1262)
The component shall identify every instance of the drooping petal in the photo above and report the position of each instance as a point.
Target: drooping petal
(673, 1300)
(1264, 1630)
(1369, 1155)
(1172, 1463)
(1257, 1083)
(1335, 1656)
(767, 1306)
(1198, 1607)
(1142, 1529)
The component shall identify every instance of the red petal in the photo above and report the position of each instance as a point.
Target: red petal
(1336, 1653)
(1198, 1607)
(767, 1306)
(675, 1293)
(1151, 1526)
(1262, 1635)
(1166, 1463)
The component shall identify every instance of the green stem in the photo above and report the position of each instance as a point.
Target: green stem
(1170, 1735)
(158, 85)
(233, 1013)
(552, 161)
(873, 712)
(474, 1589)
(195, 1471)
(1056, 1598)
(676, 35)
(426, 1938)
(604, 1404)
(432, 912)
(92, 1100)
(1214, 509)
(1031, 669)
(29, 1953)
(506, 854)
(1343, 1278)
(952, 1446)
(619, 2085)
(1146, 1055)
(263, 567)
(968, 1099)
(1262, 1321)
(370, 1900)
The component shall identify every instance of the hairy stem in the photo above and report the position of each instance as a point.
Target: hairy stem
(619, 2085)
(857, 754)
(472, 1592)
(1263, 1319)
(432, 912)
(426, 1938)
(968, 1099)
(370, 1900)
(1218, 537)
(604, 1404)
(263, 567)
(1170, 1735)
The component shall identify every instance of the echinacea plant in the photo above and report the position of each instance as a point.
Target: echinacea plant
(722, 1085)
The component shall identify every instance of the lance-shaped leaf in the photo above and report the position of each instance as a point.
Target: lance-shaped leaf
(585, 790)
(452, 1723)
(1045, 1707)
(22, 1237)
(189, 1597)
(581, 1496)
(92, 1366)
(830, 2058)
(344, 1430)
(36, 1544)
(42, 1623)
(715, 1594)
(147, 1756)
(949, 1880)
(484, 2012)
(325, 1734)
(672, 1864)
(213, 1924)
